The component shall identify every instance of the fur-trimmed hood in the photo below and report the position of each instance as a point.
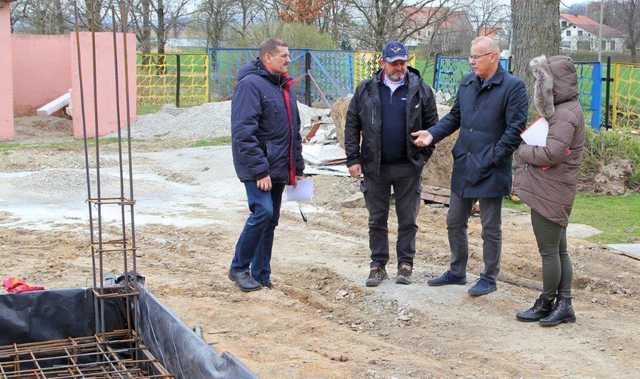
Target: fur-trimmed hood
(556, 82)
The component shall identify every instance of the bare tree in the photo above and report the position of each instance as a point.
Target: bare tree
(451, 37)
(140, 18)
(35, 16)
(536, 31)
(487, 15)
(628, 12)
(334, 18)
(214, 16)
(248, 12)
(383, 20)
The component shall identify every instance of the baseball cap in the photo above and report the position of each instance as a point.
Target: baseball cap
(394, 51)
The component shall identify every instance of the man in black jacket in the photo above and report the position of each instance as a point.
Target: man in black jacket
(381, 116)
(267, 155)
(491, 112)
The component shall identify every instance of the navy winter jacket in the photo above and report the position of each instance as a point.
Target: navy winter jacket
(490, 117)
(263, 143)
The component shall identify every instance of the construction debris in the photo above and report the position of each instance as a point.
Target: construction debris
(55, 105)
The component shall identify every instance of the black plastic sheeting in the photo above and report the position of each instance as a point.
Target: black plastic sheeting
(57, 314)
(182, 352)
(53, 315)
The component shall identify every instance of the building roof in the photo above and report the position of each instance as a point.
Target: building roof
(591, 26)
(456, 20)
(490, 31)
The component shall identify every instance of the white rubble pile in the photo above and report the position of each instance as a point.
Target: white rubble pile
(204, 121)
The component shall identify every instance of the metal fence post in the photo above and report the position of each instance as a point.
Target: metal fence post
(435, 71)
(210, 68)
(307, 79)
(177, 80)
(607, 87)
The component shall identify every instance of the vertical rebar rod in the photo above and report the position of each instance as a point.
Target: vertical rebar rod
(97, 139)
(86, 155)
(124, 20)
(120, 165)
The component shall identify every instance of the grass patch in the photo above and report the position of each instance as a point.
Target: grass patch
(148, 108)
(217, 141)
(618, 217)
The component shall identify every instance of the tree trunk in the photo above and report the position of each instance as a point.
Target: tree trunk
(162, 32)
(60, 27)
(146, 27)
(536, 31)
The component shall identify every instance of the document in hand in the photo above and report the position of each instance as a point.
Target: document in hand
(536, 133)
(302, 192)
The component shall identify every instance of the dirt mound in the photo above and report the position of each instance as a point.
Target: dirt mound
(339, 116)
(613, 178)
(30, 127)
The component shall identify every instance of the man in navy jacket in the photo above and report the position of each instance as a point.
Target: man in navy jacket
(267, 155)
(491, 112)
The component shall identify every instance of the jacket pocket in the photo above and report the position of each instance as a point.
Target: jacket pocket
(479, 165)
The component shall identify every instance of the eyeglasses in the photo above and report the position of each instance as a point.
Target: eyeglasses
(476, 57)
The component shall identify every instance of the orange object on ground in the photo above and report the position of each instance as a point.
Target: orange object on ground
(15, 285)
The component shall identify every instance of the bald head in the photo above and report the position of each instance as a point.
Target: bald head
(487, 44)
(484, 57)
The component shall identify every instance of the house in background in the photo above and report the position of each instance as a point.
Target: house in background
(581, 33)
(449, 36)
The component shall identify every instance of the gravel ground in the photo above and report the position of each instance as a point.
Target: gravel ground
(204, 121)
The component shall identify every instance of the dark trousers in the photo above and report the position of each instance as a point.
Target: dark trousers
(405, 180)
(457, 221)
(556, 264)
(256, 240)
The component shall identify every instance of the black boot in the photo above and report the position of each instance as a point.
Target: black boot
(541, 308)
(244, 281)
(562, 312)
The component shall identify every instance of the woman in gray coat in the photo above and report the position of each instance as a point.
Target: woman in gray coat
(546, 181)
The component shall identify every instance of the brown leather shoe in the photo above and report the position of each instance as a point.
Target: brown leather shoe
(404, 274)
(376, 276)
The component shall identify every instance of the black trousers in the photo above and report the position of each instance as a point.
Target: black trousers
(405, 181)
(457, 221)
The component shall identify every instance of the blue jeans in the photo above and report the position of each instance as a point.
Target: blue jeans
(256, 240)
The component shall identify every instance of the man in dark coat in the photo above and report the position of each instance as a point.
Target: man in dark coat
(382, 114)
(267, 155)
(491, 112)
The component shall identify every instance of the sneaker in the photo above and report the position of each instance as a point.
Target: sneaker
(404, 274)
(482, 287)
(267, 284)
(376, 276)
(244, 281)
(447, 278)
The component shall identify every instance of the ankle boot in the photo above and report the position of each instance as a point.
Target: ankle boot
(540, 309)
(562, 312)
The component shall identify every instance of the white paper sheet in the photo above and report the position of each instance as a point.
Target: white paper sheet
(302, 192)
(536, 134)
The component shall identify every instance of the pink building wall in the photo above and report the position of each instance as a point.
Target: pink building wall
(106, 85)
(6, 77)
(41, 70)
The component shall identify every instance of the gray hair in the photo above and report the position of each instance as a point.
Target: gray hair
(492, 44)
